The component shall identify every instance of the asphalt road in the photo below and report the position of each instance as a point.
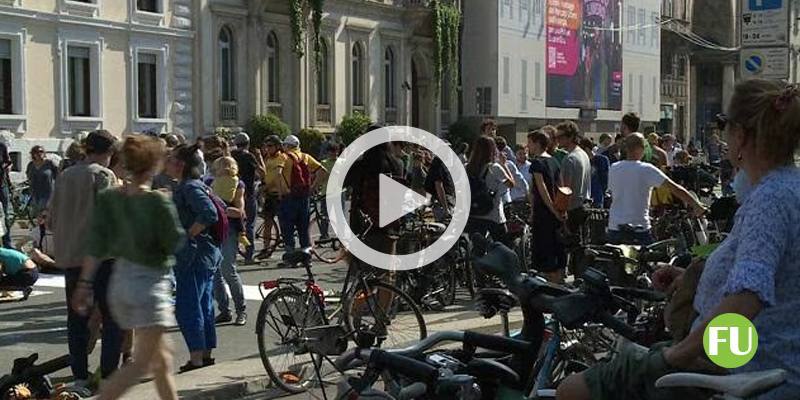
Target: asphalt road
(39, 324)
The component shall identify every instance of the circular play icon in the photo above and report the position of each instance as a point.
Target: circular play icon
(397, 200)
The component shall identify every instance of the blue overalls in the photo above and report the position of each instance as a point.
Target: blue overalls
(195, 265)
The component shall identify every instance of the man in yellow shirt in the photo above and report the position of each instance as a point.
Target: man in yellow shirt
(274, 185)
(302, 175)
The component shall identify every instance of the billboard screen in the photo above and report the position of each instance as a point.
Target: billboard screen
(584, 54)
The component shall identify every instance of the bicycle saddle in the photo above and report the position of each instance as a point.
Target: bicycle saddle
(298, 257)
(744, 385)
(490, 301)
(499, 260)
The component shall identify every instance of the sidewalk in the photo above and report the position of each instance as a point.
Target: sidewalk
(246, 378)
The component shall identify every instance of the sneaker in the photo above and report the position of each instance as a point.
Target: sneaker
(241, 319)
(223, 319)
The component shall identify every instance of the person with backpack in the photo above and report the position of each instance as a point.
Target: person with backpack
(488, 182)
(301, 173)
(198, 259)
(232, 191)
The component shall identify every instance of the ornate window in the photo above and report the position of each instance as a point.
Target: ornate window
(273, 68)
(357, 71)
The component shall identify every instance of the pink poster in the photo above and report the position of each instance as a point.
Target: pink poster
(563, 44)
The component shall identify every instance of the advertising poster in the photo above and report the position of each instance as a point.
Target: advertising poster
(584, 55)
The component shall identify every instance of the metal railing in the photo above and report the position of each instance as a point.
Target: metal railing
(228, 111)
(323, 114)
(390, 115)
(276, 109)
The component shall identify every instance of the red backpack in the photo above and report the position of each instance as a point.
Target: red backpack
(300, 184)
(220, 230)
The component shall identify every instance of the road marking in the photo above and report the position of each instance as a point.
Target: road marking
(57, 281)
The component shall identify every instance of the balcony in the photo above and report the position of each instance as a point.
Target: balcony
(228, 111)
(323, 114)
(390, 115)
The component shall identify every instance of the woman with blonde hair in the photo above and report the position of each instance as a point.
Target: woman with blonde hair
(755, 272)
(139, 228)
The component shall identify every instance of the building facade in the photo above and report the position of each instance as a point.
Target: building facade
(375, 58)
(71, 66)
(675, 63)
(531, 62)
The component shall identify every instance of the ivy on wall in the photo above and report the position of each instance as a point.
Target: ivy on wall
(299, 11)
(446, 41)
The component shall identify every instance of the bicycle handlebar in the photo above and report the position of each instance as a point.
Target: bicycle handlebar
(403, 365)
(496, 343)
(343, 361)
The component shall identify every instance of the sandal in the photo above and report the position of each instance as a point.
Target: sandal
(190, 367)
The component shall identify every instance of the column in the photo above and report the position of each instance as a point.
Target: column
(728, 82)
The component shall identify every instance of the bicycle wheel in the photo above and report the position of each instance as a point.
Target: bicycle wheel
(331, 254)
(463, 267)
(384, 312)
(282, 319)
(272, 239)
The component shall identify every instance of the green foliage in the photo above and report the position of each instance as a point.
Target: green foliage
(310, 140)
(261, 126)
(298, 16)
(462, 131)
(352, 126)
(446, 41)
(224, 132)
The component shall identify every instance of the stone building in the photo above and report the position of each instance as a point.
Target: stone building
(376, 58)
(70, 66)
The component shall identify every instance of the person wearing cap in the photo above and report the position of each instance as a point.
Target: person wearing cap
(273, 184)
(251, 166)
(70, 210)
(293, 210)
(41, 174)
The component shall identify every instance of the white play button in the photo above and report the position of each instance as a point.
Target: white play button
(396, 200)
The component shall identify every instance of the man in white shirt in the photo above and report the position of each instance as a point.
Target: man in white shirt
(521, 191)
(576, 173)
(631, 182)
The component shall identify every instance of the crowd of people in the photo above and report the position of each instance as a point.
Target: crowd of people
(195, 206)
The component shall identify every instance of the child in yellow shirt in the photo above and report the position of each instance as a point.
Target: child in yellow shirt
(226, 182)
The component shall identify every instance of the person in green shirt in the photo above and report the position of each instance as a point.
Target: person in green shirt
(139, 228)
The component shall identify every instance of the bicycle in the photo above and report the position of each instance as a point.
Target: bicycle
(295, 323)
(20, 202)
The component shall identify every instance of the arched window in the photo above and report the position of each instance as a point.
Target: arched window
(273, 68)
(389, 79)
(323, 74)
(227, 66)
(357, 74)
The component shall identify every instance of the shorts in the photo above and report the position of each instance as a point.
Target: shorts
(271, 202)
(632, 374)
(140, 296)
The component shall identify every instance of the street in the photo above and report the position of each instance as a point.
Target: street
(39, 325)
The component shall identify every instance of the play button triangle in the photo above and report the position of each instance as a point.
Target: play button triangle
(396, 200)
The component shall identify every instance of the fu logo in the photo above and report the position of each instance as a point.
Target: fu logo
(730, 340)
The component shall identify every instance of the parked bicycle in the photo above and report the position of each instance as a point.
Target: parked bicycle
(297, 327)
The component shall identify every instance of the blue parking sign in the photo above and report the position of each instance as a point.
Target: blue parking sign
(760, 5)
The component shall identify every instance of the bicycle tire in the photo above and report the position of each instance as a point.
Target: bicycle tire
(271, 242)
(329, 255)
(296, 297)
(358, 327)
